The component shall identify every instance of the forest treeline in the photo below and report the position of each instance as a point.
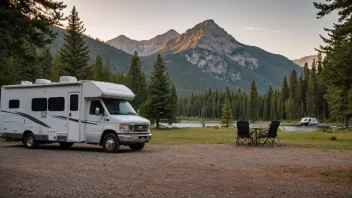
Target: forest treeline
(300, 96)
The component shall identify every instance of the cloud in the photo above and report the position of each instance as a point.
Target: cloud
(261, 29)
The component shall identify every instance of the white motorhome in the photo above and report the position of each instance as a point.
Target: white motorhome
(72, 111)
(308, 121)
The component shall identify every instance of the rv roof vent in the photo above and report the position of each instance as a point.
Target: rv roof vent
(66, 79)
(26, 83)
(42, 81)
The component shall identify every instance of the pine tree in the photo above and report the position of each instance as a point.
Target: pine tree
(227, 117)
(337, 63)
(284, 98)
(173, 105)
(292, 105)
(74, 52)
(136, 82)
(156, 107)
(312, 92)
(27, 23)
(46, 62)
(253, 103)
(98, 69)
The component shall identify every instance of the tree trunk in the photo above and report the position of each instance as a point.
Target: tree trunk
(157, 124)
(347, 118)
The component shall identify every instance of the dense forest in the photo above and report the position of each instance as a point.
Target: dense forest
(301, 95)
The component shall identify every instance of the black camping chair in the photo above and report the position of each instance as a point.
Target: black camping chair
(269, 136)
(243, 134)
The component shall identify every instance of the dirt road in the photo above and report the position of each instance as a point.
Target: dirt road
(173, 171)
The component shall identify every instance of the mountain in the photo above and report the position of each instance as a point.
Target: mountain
(215, 52)
(306, 59)
(144, 47)
(203, 57)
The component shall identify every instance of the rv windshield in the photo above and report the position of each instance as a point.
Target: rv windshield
(119, 107)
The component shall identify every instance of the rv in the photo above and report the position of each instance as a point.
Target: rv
(72, 111)
(308, 121)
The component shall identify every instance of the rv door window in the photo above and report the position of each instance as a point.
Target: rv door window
(39, 104)
(57, 104)
(14, 104)
(96, 104)
(74, 103)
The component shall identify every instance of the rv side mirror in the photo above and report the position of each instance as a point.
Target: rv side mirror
(97, 111)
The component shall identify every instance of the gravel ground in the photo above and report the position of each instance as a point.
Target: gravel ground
(170, 171)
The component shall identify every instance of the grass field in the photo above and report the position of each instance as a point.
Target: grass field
(316, 139)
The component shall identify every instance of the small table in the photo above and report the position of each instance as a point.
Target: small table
(257, 131)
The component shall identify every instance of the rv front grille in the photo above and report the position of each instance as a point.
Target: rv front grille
(139, 128)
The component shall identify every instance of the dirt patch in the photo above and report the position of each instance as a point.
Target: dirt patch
(172, 171)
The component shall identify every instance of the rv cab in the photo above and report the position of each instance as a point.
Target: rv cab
(308, 121)
(72, 111)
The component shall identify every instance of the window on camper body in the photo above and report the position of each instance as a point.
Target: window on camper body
(96, 104)
(119, 107)
(74, 103)
(56, 104)
(14, 104)
(39, 104)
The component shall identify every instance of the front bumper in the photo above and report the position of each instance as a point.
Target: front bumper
(134, 138)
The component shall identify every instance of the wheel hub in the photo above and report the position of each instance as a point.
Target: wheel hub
(110, 144)
(30, 141)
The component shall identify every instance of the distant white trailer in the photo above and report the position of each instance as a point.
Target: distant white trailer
(70, 112)
(308, 121)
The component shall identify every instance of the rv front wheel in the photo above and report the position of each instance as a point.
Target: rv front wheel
(137, 147)
(29, 141)
(66, 144)
(111, 143)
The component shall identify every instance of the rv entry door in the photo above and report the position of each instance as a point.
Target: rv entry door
(73, 117)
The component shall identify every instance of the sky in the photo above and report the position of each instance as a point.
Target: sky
(286, 27)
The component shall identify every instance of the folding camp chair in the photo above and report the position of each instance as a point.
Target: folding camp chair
(269, 136)
(243, 134)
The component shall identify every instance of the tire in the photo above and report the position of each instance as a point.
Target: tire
(137, 147)
(111, 143)
(29, 141)
(66, 145)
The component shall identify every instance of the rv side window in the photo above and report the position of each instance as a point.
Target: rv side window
(74, 103)
(14, 104)
(95, 104)
(39, 104)
(57, 104)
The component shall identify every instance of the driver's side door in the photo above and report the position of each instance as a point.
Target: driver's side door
(94, 124)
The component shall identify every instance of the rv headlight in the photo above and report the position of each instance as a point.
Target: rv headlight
(124, 127)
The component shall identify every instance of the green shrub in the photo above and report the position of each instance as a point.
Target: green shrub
(333, 138)
(216, 127)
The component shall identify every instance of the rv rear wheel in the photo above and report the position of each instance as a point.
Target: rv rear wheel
(66, 144)
(111, 143)
(29, 141)
(137, 147)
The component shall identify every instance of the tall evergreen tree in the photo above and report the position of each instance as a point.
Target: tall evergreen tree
(74, 52)
(173, 105)
(226, 117)
(156, 107)
(136, 82)
(284, 98)
(253, 103)
(46, 62)
(338, 63)
(312, 92)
